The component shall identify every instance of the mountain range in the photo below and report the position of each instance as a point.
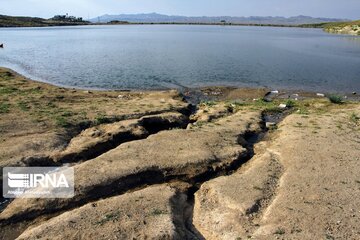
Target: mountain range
(161, 18)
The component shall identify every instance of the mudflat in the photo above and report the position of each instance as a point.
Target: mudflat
(237, 167)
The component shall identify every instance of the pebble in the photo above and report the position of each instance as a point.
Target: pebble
(282, 106)
(275, 92)
(320, 95)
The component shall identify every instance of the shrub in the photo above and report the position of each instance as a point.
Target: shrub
(336, 99)
(290, 103)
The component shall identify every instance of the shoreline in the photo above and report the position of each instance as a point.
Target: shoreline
(212, 92)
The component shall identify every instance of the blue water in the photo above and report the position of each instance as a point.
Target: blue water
(175, 56)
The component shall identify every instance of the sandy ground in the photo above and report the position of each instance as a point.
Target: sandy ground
(215, 173)
(302, 184)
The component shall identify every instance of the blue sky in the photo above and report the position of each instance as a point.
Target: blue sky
(93, 8)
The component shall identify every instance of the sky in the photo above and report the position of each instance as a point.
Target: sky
(349, 9)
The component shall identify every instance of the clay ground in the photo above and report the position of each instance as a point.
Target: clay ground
(236, 167)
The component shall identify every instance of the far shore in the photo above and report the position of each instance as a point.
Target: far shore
(170, 23)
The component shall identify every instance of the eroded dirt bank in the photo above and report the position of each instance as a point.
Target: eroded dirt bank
(233, 169)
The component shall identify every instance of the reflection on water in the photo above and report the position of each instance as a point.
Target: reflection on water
(174, 56)
(353, 39)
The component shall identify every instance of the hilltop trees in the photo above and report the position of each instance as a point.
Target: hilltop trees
(67, 18)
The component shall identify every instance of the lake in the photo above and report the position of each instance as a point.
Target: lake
(178, 56)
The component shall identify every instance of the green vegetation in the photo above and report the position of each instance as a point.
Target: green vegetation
(23, 106)
(9, 21)
(113, 216)
(290, 103)
(118, 22)
(61, 122)
(234, 106)
(354, 118)
(101, 119)
(4, 107)
(66, 18)
(34, 102)
(208, 103)
(7, 90)
(336, 99)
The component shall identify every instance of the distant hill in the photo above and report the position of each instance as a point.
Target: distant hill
(9, 21)
(160, 18)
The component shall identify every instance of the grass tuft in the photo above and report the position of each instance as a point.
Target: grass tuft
(4, 107)
(290, 103)
(354, 118)
(61, 122)
(280, 231)
(101, 119)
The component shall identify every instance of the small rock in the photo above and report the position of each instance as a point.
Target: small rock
(354, 93)
(87, 91)
(266, 99)
(121, 96)
(162, 100)
(320, 95)
(295, 95)
(282, 106)
(275, 92)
